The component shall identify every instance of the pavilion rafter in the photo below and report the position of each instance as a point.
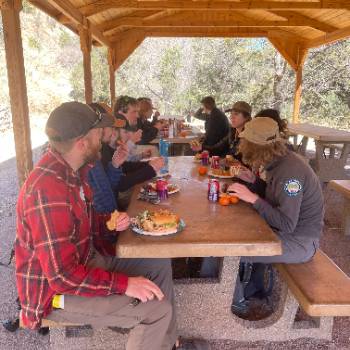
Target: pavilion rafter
(68, 10)
(103, 5)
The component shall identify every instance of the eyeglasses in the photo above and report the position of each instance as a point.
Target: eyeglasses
(99, 118)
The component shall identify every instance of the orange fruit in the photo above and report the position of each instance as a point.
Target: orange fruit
(234, 199)
(202, 170)
(224, 201)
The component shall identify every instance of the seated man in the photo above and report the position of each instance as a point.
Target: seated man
(293, 201)
(149, 130)
(127, 108)
(55, 245)
(216, 124)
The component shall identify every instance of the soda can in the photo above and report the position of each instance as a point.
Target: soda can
(205, 158)
(213, 190)
(215, 162)
(162, 189)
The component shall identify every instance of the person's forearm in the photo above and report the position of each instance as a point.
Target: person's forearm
(136, 177)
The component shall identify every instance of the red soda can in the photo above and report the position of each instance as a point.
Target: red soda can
(215, 162)
(205, 158)
(213, 190)
(162, 189)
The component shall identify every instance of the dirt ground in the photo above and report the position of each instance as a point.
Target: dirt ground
(334, 243)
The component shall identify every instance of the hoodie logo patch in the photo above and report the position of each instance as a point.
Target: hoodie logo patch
(292, 187)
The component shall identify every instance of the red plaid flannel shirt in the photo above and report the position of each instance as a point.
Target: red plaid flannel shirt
(56, 227)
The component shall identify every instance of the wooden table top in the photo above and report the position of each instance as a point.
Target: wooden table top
(177, 140)
(211, 229)
(342, 186)
(319, 133)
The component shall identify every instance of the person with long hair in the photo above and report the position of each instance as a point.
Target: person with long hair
(290, 201)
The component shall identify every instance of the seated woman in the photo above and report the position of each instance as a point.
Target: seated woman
(228, 145)
(282, 123)
(293, 202)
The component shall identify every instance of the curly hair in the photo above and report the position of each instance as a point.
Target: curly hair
(122, 104)
(255, 155)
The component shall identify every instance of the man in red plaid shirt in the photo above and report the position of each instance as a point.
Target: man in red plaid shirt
(57, 236)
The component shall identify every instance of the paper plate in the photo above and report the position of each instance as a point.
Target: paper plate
(179, 228)
(175, 190)
(220, 176)
(163, 175)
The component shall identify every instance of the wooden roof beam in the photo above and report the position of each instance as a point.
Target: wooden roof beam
(198, 32)
(103, 5)
(68, 10)
(124, 45)
(329, 38)
(309, 22)
(191, 19)
(293, 52)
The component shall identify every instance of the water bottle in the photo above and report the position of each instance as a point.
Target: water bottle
(164, 152)
(171, 129)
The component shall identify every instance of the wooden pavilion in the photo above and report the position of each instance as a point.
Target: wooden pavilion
(293, 27)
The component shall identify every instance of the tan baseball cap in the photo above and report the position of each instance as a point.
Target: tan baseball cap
(261, 131)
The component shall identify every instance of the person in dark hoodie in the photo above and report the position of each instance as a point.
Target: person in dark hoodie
(149, 129)
(216, 124)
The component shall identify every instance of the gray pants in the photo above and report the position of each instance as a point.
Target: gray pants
(153, 324)
(294, 250)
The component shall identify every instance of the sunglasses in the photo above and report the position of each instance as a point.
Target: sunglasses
(99, 118)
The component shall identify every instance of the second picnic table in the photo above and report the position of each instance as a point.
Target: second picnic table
(327, 167)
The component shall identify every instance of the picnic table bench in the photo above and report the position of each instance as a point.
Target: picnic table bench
(327, 168)
(203, 305)
(343, 187)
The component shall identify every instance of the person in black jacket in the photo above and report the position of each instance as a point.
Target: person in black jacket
(149, 129)
(216, 124)
(228, 145)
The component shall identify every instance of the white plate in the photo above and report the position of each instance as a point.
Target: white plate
(162, 175)
(179, 228)
(177, 189)
(220, 176)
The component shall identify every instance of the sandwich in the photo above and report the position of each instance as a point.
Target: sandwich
(157, 222)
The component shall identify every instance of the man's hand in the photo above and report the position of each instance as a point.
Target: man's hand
(243, 193)
(123, 222)
(159, 125)
(157, 163)
(143, 289)
(246, 175)
(120, 155)
(136, 136)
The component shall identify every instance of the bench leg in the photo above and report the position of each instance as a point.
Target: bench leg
(346, 217)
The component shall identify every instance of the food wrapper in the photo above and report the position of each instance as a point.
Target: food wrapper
(112, 222)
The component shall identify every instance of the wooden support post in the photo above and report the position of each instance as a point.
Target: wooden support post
(10, 10)
(85, 45)
(297, 93)
(111, 65)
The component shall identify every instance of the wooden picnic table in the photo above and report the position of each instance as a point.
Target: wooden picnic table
(328, 167)
(183, 141)
(211, 229)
